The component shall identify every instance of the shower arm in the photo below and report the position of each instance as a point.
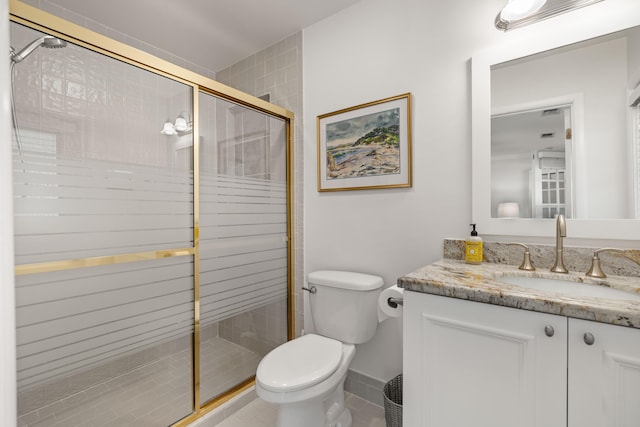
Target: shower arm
(26, 51)
(46, 41)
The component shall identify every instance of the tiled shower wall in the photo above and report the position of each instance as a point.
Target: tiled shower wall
(91, 103)
(259, 330)
(277, 71)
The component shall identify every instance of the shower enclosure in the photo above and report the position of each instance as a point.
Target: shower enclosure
(152, 233)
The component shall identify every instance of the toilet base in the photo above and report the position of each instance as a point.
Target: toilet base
(336, 414)
(317, 413)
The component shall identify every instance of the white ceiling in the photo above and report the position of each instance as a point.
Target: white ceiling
(515, 134)
(211, 33)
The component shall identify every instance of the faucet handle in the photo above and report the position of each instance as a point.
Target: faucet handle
(596, 270)
(526, 265)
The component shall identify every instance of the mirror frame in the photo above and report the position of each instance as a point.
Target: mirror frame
(589, 22)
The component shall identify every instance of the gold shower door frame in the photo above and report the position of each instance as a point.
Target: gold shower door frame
(37, 19)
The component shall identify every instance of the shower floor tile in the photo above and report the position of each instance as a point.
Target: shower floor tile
(152, 394)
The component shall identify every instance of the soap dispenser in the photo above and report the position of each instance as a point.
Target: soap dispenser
(473, 248)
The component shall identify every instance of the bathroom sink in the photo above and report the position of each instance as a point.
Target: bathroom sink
(568, 288)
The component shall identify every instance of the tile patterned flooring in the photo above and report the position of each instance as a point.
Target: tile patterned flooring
(159, 393)
(261, 414)
(154, 395)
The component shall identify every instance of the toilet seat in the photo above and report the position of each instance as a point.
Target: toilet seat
(300, 363)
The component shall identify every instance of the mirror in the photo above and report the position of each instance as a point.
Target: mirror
(545, 160)
(553, 132)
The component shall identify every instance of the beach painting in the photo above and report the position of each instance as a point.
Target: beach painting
(367, 146)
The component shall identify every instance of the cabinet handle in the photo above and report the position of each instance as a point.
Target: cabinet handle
(549, 331)
(589, 339)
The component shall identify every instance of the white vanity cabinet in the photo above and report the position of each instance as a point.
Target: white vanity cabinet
(474, 364)
(604, 375)
(482, 365)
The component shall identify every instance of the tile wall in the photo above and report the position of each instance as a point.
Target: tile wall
(277, 71)
(97, 107)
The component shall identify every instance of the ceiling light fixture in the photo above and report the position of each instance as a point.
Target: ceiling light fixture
(518, 13)
(518, 9)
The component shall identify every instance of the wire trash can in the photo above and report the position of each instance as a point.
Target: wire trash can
(393, 402)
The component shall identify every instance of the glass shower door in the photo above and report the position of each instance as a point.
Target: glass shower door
(103, 213)
(243, 241)
(152, 235)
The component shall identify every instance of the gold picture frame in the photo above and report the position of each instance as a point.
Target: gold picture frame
(367, 146)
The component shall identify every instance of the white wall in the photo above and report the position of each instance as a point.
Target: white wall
(510, 182)
(377, 49)
(633, 56)
(7, 306)
(370, 51)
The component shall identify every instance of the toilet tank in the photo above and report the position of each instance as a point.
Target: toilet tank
(345, 304)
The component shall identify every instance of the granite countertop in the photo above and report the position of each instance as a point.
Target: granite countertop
(481, 283)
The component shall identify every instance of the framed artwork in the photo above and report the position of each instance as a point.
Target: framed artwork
(366, 147)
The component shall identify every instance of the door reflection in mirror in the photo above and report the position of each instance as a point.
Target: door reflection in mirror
(531, 162)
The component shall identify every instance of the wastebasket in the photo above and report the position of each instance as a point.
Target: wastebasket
(393, 402)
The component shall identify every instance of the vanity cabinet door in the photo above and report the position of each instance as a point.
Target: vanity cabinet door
(604, 375)
(474, 364)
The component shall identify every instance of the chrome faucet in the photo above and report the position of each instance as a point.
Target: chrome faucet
(561, 232)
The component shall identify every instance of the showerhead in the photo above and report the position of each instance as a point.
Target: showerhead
(49, 42)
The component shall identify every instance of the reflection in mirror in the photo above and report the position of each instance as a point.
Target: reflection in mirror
(529, 170)
(563, 134)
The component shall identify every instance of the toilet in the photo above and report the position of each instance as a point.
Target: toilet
(305, 376)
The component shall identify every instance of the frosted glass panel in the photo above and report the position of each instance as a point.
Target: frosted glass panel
(95, 177)
(107, 335)
(93, 174)
(243, 241)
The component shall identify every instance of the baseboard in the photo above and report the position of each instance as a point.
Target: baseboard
(365, 387)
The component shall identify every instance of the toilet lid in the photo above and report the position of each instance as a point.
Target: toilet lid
(299, 363)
